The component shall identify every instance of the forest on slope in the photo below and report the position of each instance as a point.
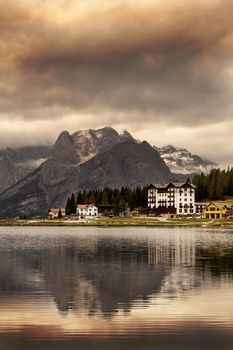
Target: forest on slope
(218, 184)
(122, 198)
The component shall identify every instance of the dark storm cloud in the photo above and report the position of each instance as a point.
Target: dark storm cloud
(127, 61)
(163, 61)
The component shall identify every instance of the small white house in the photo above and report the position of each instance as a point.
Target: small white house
(87, 211)
(54, 213)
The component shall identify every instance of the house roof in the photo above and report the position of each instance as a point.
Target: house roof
(56, 210)
(202, 203)
(84, 206)
(217, 205)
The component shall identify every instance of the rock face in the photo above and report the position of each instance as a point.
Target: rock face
(88, 143)
(33, 179)
(68, 151)
(181, 161)
(17, 163)
(127, 163)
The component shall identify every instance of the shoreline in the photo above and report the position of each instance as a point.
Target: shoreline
(120, 222)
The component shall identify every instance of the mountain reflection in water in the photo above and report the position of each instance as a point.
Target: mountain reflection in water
(64, 288)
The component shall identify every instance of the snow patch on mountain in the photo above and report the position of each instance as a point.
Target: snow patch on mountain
(181, 161)
(89, 143)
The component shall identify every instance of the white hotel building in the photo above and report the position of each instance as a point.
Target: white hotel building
(174, 198)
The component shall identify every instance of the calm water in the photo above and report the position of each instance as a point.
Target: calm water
(126, 288)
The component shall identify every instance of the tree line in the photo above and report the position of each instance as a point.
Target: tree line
(218, 184)
(123, 198)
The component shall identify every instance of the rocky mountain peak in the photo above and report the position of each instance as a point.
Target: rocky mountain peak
(37, 177)
(170, 148)
(90, 142)
(63, 148)
(181, 161)
(146, 144)
(64, 139)
(127, 135)
(105, 132)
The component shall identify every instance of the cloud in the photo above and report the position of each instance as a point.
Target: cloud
(118, 62)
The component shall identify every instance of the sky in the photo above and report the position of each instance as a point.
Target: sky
(161, 69)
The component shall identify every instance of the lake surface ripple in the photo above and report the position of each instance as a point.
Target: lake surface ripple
(116, 288)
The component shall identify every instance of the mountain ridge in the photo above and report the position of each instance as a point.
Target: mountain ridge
(15, 164)
(86, 159)
(125, 164)
(182, 161)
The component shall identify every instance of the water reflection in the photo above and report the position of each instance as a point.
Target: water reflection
(126, 281)
(101, 276)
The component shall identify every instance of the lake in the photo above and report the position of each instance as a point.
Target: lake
(116, 288)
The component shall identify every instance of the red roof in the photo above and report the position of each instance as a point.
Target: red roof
(82, 206)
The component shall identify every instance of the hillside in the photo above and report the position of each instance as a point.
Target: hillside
(127, 163)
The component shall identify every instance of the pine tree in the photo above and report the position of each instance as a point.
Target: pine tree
(212, 185)
(85, 197)
(123, 204)
(67, 210)
(72, 204)
(105, 197)
(79, 198)
(230, 190)
(91, 198)
(59, 214)
(219, 188)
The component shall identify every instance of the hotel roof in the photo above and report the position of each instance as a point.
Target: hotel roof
(175, 184)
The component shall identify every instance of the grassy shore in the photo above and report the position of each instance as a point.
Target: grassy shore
(123, 222)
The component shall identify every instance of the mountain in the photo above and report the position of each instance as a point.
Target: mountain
(181, 161)
(127, 163)
(33, 179)
(88, 143)
(17, 163)
(69, 150)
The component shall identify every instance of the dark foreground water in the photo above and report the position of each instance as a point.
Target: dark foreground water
(126, 288)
